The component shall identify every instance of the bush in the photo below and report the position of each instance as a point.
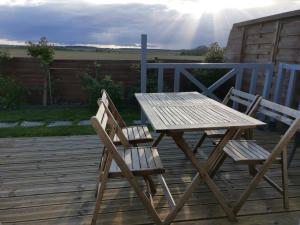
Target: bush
(4, 58)
(215, 54)
(12, 94)
(207, 77)
(93, 86)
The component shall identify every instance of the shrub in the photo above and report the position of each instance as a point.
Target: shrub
(215, 54)
(93, 86)
(4, 58)
(207, 77)
(12, 94)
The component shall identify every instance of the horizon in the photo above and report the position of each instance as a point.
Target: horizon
(115, 24)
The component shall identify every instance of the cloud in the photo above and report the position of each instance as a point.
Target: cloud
(88, 23)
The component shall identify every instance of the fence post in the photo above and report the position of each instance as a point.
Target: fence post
(160, 78)
(278, 83)
(291, 87)
(268, 82)
(253, 81)
(143, 69)
(238, 82)
(177, 80)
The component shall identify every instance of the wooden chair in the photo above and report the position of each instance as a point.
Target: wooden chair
(245, 100)
(249, 152)
(126, 161)
(134, 134)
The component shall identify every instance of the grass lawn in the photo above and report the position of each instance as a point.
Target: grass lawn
(53, 113)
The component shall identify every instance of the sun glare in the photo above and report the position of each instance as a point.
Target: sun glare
(196, 7)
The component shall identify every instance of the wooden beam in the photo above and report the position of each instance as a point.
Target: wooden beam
(278, 85)
(291, 88)
(222, 80)
(176, 80)
(160, 80)
(143, 69)
(268, 81)
(276, 41)
(252, 87)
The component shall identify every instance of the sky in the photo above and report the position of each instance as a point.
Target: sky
(170, 24)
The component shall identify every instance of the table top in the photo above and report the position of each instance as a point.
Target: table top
(191, 111)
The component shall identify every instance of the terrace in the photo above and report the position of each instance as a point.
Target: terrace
(51, 180)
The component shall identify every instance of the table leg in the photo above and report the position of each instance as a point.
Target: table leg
(179, 140)
(217, 156)
(158, 140)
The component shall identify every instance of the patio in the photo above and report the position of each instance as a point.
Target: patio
(51, 180)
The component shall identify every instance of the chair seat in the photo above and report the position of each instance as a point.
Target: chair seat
(141, 161)
(245, 151)
(215, 133)
(135, 135)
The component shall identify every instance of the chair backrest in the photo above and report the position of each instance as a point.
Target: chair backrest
(240, 98)
(109, 103)
(106, 127)
(284, 114)
(105, 123)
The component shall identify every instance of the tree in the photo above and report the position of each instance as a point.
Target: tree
(43, 52)
(215, 53)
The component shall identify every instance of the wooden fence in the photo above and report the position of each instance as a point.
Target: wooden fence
(273, 39)
(66, 76)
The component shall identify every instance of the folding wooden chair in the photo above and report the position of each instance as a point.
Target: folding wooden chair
(134, 134)
(129, 162)
(249, 152)
(245, 100)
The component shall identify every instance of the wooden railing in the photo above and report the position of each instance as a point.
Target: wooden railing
(236, 71)
(291, 70)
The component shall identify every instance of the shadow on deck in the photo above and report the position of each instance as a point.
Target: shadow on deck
(51, 180)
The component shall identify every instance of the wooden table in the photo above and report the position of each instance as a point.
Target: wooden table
(175, 113)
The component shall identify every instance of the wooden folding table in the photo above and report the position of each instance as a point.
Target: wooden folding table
(175, 113)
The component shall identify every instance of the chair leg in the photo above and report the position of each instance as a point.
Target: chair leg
(199, 143)
(252, 169)
(248, 134)
(97, 188)
(100, 193)
(284, 169)
(296, 145)
(149, 191)
(167, 192)
(151, 184)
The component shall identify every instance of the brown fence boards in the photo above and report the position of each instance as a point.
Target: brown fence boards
(269, 39)
(66, 75)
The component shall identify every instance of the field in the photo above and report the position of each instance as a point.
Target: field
(110, 54)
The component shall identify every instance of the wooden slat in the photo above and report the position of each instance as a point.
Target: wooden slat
(69, 199)
(246, 151)
(150, 159)
(142, 157)
(135, 159)
(191, 111)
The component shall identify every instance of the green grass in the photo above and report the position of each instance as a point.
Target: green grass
(45, 131)
(46, 114)
(52, 113)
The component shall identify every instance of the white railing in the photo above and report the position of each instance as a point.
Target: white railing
(236, 71)
(291, 71)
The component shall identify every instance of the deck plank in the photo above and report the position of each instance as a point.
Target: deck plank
(45, 181)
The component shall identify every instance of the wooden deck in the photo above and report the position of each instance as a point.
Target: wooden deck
(51, 180)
